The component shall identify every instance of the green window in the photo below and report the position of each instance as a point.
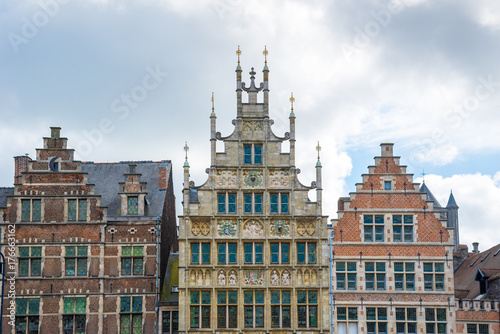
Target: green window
(404, 276)
(253, 308)
(74, 314)
(252, 203)
(131, 315)
(133, 207)
(253, 252)
(31, 210)
(280, 309)
(226, 203)
(304, 248)
(373, 228)
(200, 309)
(132, 260)
(76, 261)
(375, 275)
(27, 315)
(435, 320)
(247, 154)
(346, 275)
(376, 320)
(77, 208)
(30, 261)
(434, 276)
(227, 309)
(170, 322)
(280, 252)
(279, 203)
(252, 154)
(307, 308)
(26, 210)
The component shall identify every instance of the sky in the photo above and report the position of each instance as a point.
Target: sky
(132, 80)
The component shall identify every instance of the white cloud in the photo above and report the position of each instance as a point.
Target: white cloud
(477, 196)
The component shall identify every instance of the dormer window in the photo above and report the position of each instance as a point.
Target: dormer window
(252, 154)
(133, 205)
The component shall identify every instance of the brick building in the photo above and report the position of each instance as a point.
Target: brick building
(253, 247)
(86, 237)
(392, 256)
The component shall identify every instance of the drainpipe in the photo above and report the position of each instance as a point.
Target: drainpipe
(331, 278)
(157, 269)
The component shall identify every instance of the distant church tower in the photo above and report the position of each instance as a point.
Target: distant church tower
(452, 209)
(253, 247)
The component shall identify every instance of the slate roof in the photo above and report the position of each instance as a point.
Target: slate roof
(4, 192)
(466, 286)
(107, 176)
(171, 279)
(430, 196)
(451, 202)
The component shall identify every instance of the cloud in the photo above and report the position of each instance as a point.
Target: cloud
(477, 196)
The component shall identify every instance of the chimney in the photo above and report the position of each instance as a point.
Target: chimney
(475, 246)
(132, 168)
(21, 166)
(386, 149)
(55, 132)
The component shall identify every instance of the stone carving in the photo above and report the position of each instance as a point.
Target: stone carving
(252, 125)
(227, 228)
(305, 229)
(202, 228)
(252, 178)
(285, 277)
(279, 179)
(254, 277)
(275, 279)
(253, 228)
(221, 278)
(232, 278)
(280, 228)
(226, 178)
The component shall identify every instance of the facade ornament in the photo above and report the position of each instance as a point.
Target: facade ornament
(252, 178)
(226, 178)
(221, 278)
(254, 277)
(253, 228)
(285, 277)
(233, 278)
(280, 228)
(275, 279)
(227, 228)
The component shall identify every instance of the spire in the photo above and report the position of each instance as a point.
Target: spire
(423, 176)
(213, 107)
(238, 53)
(318, 148)
(265, 52)
(430, 196)
(186, 149)
(292, 100)
(451, 201)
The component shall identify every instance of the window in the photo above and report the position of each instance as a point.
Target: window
(280, 252)
(375, 275)
(404, 276)
(433, 276)
(371, 229)
(376, 320)
(74, 312)
(280, 309)
(477, 329)
(76, 261)
(196, 256)
(254, 308)
(402, 231)
(406, 321)
(77, 209)
(227, 309)
(133, 205)
(200, 309)
(132, 260)
(226, 253)
(27, 320)
(307, 308)
(306, 248)
(435, 320)
(346, 269)
(279, 203)
(130, 315)
(253, 203)
(30, 261)
(170, 322)
(31, 210)
(347, 320)
(226, 203)
(252, 154)
(387, 185)
(253, 252)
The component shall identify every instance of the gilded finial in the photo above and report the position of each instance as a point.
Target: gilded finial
(238, 52)
(213, 102)
(292, 100)
(186, 148)
(318, 148)
(423, 175)
(265, 52)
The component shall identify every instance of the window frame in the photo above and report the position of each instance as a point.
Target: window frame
(28, 316)
(279, 309)
(79, 208)
(253, 204)
(253, 155)
(169, 314)
(402, 228)
(283, 255)
(223, 200)
(130, 206)
(133, 259)
(31, 210)
(405, 276)
(435, 277)
(435, 325)
(379, 275)
(77, 258)
(407, 320)
(277, 206)
(199, 312)
(74, 315)
(308, 310)
(253, 252)
(131, 312)
(373, 230)
(30, 261)
(307, 252)
(229, 306)
(346, 273)
(347, 316)
(227, 254)
(202, 255)
(378, 321)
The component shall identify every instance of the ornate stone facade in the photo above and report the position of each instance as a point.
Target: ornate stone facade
(269, 241)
